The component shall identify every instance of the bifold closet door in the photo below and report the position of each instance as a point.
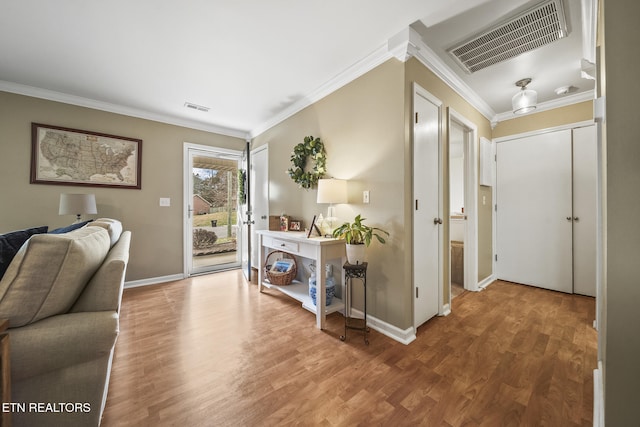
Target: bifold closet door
(534, 211)
(585, 187)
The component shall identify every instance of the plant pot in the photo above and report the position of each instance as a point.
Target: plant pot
(355, 254)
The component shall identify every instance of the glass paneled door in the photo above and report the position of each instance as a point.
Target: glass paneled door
(212, 235)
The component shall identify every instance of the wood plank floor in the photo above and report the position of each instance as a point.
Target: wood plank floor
(212, 351)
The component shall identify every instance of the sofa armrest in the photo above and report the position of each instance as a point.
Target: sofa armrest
(61, 341)
(104, 290)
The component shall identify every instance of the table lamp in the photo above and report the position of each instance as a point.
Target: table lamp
(332, 191)
(77, 204)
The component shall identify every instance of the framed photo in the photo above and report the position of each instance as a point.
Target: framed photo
(284, 223)
(295, 225)
(63, 156)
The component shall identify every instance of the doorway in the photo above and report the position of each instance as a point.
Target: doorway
(211, 233)
(463, 201)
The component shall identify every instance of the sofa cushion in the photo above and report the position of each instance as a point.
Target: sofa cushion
(113, 227)
(11, 243)
(71, 227)
(49, 272)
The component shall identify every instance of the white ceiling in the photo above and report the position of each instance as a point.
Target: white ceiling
(252, 62)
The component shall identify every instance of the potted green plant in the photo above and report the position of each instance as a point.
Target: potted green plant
(358, 236)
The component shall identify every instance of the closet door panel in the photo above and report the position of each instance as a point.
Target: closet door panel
(585, 189)
(534, 212)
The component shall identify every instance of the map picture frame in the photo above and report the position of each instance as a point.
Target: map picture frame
(66, 156)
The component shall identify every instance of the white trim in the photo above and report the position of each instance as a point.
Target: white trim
(368, 63)
(598, 396)
(446, 309)
(541, 131)
(118, 109)
(405, 336)
(487, 281)
(153, 281)
(494, 216)
(589, 9)
(430, 60)
(188, 150)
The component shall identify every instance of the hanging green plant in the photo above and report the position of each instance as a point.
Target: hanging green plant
(311, 148)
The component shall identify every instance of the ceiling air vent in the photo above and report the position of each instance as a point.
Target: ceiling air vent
(535, 27)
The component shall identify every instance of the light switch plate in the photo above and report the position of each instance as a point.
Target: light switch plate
(165, 201)
(365, 196)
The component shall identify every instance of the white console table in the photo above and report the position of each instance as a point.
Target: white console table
(319, 249)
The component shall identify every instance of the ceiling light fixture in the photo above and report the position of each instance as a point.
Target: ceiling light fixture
(526, 99)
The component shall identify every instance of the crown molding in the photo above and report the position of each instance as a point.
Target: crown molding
(576, 98)
(413, 45)
(118, 109)
(371, 61)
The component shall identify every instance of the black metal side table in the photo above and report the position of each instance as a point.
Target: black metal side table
(355, 271)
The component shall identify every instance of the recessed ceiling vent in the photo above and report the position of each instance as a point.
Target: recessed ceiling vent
(193, 106)
(535, 27)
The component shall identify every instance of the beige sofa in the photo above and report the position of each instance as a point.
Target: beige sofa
(61, 294)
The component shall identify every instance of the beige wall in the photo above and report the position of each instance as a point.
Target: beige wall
(366, 128)
(575, 113)
(622, 374)
(156, 248)
(362, 126)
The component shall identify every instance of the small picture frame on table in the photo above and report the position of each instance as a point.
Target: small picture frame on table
(284, 223)
(295, 225)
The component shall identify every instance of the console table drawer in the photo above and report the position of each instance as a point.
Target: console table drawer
(287, 246)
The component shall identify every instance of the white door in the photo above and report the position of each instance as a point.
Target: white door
(245, 219)
(427, 216)
(259, 183)
(534, 212)
(211, 232)
(585, 188)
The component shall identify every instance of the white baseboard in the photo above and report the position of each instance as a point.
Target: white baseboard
(446, 310)
(486, 282)
(598, 397)
(402, 336)
(153, 281)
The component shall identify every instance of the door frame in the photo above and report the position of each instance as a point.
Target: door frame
(186, 202)
(259, 223)
(470, 144)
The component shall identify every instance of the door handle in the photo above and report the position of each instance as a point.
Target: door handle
(263, 217)
(437, 221)
(568, 218)
(575, 218)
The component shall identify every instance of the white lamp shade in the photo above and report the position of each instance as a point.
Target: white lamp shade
(332, 191)
(524, 101)
(77, 204)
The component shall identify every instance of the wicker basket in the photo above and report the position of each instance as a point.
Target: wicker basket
(280, 279)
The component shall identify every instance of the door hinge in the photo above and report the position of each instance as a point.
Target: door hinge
(416, 204)
(495, 157)
(496, 257)
(416, 292)
(496, 207)
(416, 117)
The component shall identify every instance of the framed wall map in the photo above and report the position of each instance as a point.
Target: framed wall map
(64, 156)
